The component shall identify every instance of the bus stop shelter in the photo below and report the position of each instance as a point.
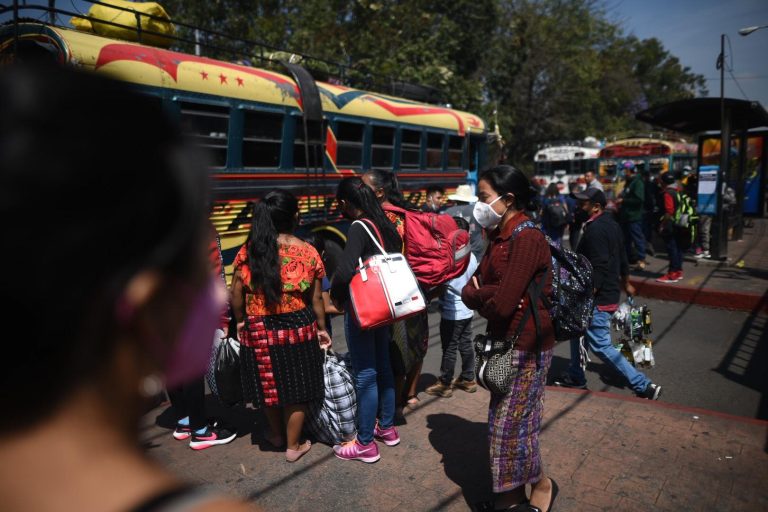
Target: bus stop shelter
(740, 125)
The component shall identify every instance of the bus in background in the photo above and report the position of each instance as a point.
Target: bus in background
(655, 153)
(263, 129)
(564, 162)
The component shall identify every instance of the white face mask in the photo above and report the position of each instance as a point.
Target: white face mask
(487, 216)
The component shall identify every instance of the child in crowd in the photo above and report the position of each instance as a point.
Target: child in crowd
(318, 243)
(456, 333)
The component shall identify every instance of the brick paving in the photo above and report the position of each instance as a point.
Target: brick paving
(607, 452)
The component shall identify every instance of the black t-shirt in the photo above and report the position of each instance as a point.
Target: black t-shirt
(359, 246)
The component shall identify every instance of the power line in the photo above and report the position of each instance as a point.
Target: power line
(738, 85)
(754, 77)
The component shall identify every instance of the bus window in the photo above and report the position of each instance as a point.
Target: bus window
(349, 138)
(208, 126)
(262, 138)
(455, 152)
(410, 149)
(435, 151)
(315, 141)
(382, 147)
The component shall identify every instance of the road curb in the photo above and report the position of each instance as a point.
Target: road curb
(738, 301)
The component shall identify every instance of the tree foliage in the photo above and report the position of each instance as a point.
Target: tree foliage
(551, 69)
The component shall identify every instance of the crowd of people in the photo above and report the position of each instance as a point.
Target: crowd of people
(139, 316)
(647, 208)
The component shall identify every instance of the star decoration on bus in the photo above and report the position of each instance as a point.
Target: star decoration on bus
(204, 75)
(223, 78)
(240, 81)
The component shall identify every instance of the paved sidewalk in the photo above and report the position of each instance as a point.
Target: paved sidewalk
(607, 452)
(740, 282)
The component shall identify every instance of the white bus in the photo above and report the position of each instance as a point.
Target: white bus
(564, 162)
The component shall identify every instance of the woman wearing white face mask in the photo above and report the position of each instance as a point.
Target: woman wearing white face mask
(517, 256)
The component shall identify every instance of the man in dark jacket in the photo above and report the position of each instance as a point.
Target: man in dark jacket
(601, 243)
(631, 205)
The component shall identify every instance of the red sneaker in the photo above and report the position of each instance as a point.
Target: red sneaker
(678, 275)
(668, 278)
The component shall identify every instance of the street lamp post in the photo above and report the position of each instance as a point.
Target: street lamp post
(720, 226)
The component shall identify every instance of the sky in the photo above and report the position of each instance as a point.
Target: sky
(689, 29)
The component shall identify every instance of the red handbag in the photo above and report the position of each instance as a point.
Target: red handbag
(384, 289)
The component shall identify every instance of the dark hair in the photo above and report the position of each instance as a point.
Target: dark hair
(435, 188)
(461, 223)
(359, 195)
(274, 214)
(316, 241)
(552, 190)
(387, 182)
(505, 179)
(118, 194)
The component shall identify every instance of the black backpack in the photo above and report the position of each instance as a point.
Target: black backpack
(556, 214)
(572, 300)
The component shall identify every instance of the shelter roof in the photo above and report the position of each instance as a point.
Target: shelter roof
(703, 114)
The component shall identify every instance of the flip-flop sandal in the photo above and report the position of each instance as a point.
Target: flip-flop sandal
(412, 401)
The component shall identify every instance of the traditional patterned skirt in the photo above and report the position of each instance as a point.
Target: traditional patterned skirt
(410, 339)
(514, 422)
(281, 360)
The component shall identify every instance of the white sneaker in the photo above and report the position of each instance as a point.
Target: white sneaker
(703, 254)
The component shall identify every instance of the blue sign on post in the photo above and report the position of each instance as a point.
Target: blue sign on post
(708, 197)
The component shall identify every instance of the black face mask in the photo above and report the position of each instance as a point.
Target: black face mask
(582, 216)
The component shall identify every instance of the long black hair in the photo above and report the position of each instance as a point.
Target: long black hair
(274, 214)
(505, 179)
(387, 182)
(359, 195)
(118, 194)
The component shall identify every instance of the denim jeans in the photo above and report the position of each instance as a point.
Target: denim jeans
(599, 339)
(457, 335)
(633, 233)
(374, 383)
(675, 254)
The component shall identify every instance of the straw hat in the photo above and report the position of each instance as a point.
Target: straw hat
(463, 193)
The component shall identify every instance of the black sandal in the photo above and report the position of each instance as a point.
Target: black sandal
(553, 495)
(490, 506)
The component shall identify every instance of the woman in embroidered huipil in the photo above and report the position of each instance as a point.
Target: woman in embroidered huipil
(277, 293)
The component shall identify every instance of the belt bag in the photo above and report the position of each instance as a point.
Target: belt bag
(494, 368)
(384, 289)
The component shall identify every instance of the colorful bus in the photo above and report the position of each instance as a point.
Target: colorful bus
(564, 162)
(255, 126)
(653, 153)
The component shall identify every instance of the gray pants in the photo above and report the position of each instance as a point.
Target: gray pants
(705, 231)
(457, 335)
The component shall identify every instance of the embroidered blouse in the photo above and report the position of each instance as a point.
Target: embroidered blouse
(300, 265)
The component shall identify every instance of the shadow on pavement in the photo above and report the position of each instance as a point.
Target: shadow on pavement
(465, 463)
(746, 360)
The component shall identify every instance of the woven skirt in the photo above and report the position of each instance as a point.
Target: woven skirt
(410, 339)
(281, 360)
(514, 422)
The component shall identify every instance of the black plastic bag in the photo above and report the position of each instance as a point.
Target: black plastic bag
(227, 373)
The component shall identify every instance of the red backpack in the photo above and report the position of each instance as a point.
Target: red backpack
(436, 249)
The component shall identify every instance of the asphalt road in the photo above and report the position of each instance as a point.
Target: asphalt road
(708, 358)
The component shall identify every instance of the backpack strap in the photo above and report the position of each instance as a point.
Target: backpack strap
(534, 291)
